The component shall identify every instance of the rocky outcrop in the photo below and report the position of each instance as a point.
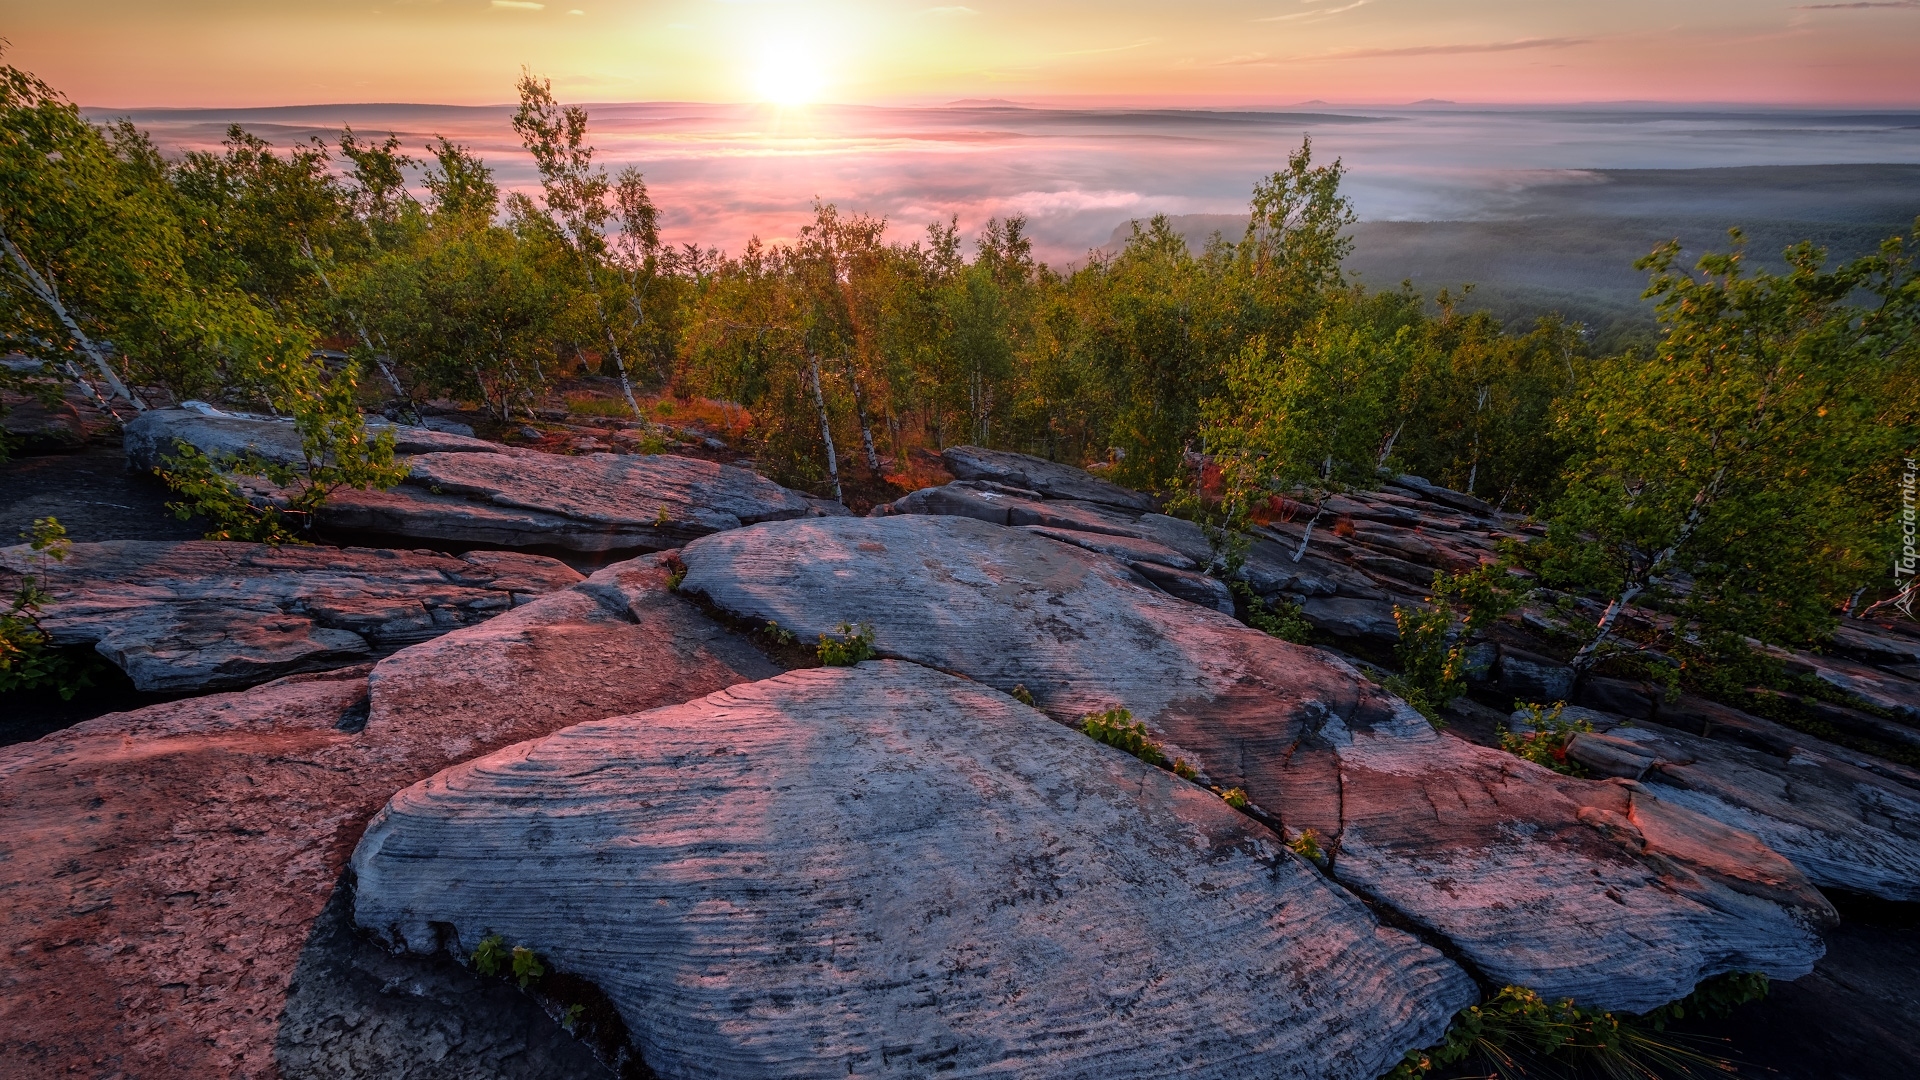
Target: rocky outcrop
(1847, 820)
(1378, 549)
(470, 492)
(185, 616)
(150, 436)
(1580, 889)
(887, 870)
(599, 502)
(1048, 478)
(160, 870)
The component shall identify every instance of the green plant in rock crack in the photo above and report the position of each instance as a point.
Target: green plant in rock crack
(490, 955)
(1283, 620)
(1307, 846)
(526, 965)
(1117, 728)
(1547, 743)
(847, 646)
(28, 659)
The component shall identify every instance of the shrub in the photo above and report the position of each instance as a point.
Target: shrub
(1518, 1028)
(1284, 620)
(1547, 743)
(28, 660)
(1021, 694)
(1434, 640)
(598, 406)
(207, 487)
(849, 645)
(1118, 729)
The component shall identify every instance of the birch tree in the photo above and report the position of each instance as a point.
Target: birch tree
(1721, 478)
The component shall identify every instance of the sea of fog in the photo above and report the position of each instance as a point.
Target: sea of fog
(722, 173)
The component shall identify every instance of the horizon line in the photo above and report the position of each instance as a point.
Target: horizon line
(1069, 103)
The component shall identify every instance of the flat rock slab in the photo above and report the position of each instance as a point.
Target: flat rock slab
(889, 871)
(1575, 888)
(186, 616)
(151, 435)
(598, 502)
(470, 492)
(160, 870)
(1844, 826)
(1049, 478)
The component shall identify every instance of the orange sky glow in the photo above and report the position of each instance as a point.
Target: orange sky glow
(1240, 52)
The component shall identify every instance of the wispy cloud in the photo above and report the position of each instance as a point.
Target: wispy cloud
(1258, 59)
(1141, 44)
(1857, 7)
(519, 5)
(1443, 50)
(1316, 12)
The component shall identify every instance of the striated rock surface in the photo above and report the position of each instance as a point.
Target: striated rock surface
(159, 870)
(599, 502)
(202, 615)
(1847, 820)
(886, 870)
(151, 435)
(1575, 888)
(471, 492)
(1048, 478)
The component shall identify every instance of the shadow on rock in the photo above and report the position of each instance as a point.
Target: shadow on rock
(356, 1010)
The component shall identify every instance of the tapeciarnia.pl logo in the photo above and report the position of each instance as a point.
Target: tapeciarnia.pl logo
(1906, 562)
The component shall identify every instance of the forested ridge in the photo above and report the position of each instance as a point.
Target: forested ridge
(1743, 473)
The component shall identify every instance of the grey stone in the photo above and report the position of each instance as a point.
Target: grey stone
(1191, 587)
(1533, 678)
(1846, 820)
(885, 870)
(1049, 478)
(1128, 549)
(446, 426)
(1576, 888)
(596, 502)
(1882, 689)
(1611, 755)
(1350, 618)
(1434, 493)
(200, 615)
(150, 436)
(999, 504)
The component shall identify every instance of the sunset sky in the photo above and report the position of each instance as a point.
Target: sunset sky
(267, 52)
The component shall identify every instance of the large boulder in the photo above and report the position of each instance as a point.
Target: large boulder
(597, 502)
(194, 615)
(887, 870)
(1049, 478)
(1588, 890)
(159, 870)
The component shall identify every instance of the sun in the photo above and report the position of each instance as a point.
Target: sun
(787, 73)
